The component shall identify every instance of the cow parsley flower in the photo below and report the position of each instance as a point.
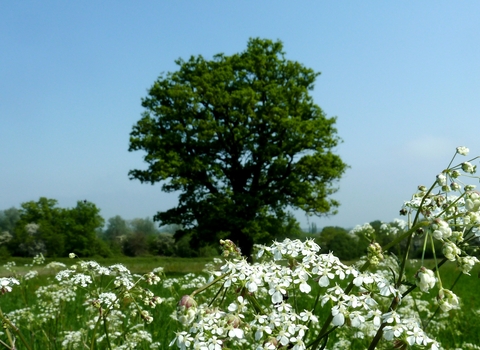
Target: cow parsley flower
(462, 150)
(465, 264)
(451, 251)
(6, 284)
(425, 279)
(447, 300)
(468, 167)
(441, 180)
(441, 229)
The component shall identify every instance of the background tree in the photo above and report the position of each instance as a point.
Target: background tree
(142, 237)
(8, 219)
(116, 232)
(81, 226)
(40, 229)
(242, 140)
(45, 228)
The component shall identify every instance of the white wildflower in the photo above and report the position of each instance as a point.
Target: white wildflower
(462, 150)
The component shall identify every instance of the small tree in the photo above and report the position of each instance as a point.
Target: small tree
(81, 232)
(241, 139)
(45, 228)
(117, 231)
(40, 229)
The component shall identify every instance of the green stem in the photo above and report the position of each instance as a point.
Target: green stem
(92, 344)
(415, 226)
(404, 262)
(438, 307)
(316, 342)
(5, 344)
(451, 204)
(208, 285)
(106, 331)
(10, 340)
(424, 248)
(216, 296)
(313, 312)
(323, 332)
(256, 305)
(436, 263)
(405, 235)
(15, 329)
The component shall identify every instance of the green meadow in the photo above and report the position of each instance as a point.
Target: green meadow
(182, 277)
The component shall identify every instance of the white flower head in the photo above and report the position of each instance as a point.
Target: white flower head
(462, 150)
(441, 229)
(451, 251)
(6, 284)
(425, 279)
(447, 300)
(441, 179)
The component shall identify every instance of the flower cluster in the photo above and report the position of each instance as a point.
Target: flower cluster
(264, 311)
(425, 279)
(6, 284)
(115, 301)
(263, 316)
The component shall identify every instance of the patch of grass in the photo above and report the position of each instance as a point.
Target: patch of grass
(135, 265)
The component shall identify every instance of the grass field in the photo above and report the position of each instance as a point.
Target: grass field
(135, 265)
(181, 277)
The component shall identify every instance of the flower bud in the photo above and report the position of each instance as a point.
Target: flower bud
(441, 180)
(454, 174)
(468, 167)
(451, 251)
(425, 279)
(187, 302)
(447, 300)
(440, 229)
(229, 248)
(374, 253)
(455, 186)
(465, 264)
(233, 320)
(462, 150)
(145, 315)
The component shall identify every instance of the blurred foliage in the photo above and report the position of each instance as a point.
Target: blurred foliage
(44, 227)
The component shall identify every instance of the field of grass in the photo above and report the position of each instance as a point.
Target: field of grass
(135, 265)
(181, 277)
(71, 315)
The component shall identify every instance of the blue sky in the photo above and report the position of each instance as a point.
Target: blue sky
(403, 78)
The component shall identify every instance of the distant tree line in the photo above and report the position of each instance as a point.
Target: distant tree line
(43, 227)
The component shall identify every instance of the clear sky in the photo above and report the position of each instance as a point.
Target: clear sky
(403, 78)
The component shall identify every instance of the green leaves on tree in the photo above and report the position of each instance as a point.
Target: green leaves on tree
(240, 138)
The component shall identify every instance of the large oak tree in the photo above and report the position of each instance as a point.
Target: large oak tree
(242, 141)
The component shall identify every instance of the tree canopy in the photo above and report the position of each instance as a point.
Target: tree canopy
(242, 141)
(45, 228)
